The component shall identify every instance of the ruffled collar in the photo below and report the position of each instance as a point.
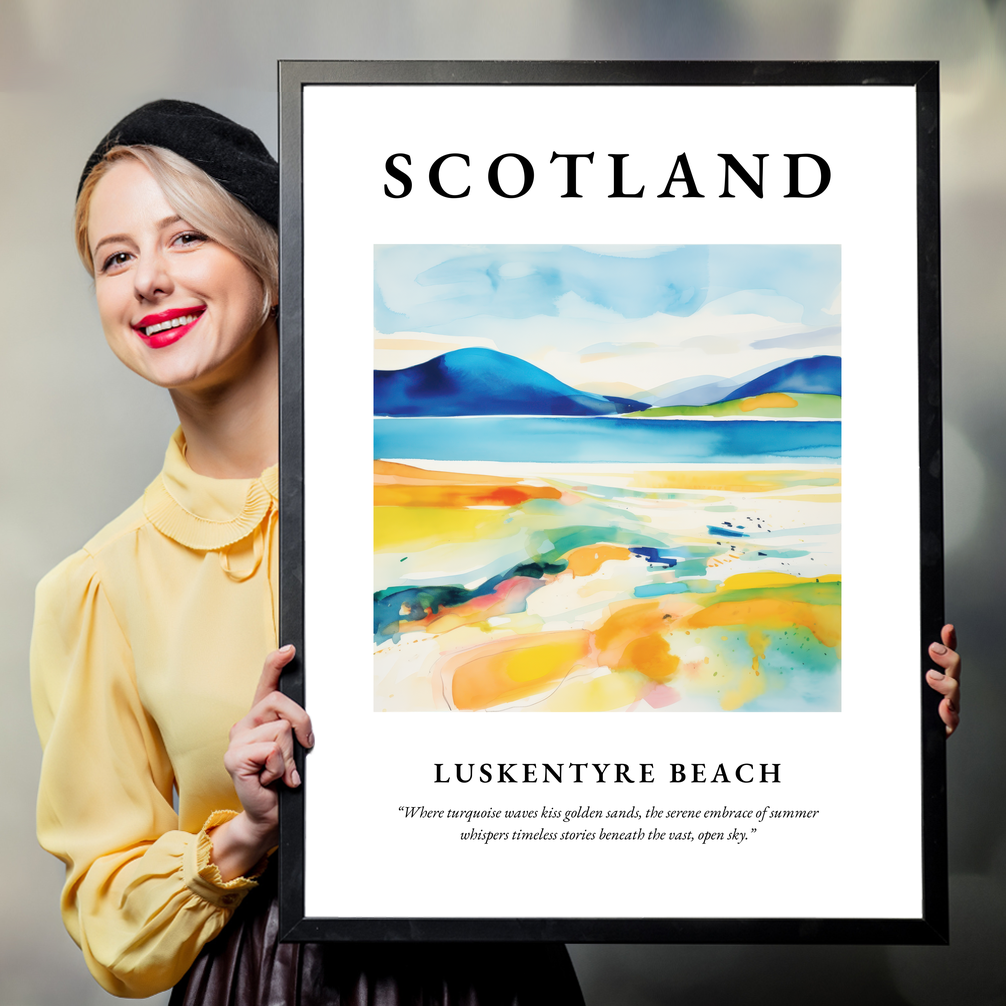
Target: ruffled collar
(203, 513)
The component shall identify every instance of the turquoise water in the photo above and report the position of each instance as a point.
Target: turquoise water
(607, 438)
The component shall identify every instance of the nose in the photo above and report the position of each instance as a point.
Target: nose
(152, 277)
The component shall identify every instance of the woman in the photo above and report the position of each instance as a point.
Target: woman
(148, 643)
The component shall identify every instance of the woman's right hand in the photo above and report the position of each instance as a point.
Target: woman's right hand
(260, 753)
(948, 681)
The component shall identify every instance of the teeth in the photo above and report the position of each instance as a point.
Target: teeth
(173, 323)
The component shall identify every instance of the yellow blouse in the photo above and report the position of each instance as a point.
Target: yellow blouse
(147, 647)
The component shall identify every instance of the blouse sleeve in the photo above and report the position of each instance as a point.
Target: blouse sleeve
(141, 898)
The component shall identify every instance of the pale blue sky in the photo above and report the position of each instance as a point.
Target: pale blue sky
(617, 320)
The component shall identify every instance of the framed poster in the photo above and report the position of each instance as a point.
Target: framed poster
(611, 501)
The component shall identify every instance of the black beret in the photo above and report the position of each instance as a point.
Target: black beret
(231, 154)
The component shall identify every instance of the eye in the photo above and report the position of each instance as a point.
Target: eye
(189, 239)
(115, 261)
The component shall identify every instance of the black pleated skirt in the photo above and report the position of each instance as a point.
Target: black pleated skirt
(246, 965)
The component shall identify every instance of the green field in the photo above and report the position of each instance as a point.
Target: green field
(760, 406)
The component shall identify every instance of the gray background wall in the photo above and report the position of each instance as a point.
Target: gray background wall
(82, 436)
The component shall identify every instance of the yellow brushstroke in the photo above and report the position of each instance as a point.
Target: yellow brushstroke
(402, 529)
(540, 661)
(753, 581)
(758, 642)
(599, 695)
(770, 400)
(751, 685)
(823, 498)
(735, 481)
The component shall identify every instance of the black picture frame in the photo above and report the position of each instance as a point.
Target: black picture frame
(932, 926)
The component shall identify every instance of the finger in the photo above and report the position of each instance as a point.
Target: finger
(948, 659)
(259, 760)
(950, 716)
(945, 685)
(274, 766)
(271, 670)
(949, 708)
(273, 708)
(276, 706)
(280, 733)
(949, 636)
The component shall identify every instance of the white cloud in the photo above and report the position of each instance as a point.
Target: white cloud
(643, 353)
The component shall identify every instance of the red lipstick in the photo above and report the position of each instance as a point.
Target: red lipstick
(166, 327)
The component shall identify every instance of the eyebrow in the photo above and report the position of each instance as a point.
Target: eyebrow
(160, 225)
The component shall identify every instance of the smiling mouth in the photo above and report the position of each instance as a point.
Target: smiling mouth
(165, 323)
(185, 319)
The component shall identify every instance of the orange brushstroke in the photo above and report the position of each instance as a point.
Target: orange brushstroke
(651, 655)
(515, 668)
(460, 496)
(393, 473)
(823, 620)
(770, 400)
(633, 637)
(628, 621)
(587, 559)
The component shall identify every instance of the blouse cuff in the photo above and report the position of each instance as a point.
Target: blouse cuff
(202, 876)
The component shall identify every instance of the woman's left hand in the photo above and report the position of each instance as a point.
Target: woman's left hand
(948, 681)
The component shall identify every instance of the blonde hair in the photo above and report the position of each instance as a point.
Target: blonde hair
(199, 200)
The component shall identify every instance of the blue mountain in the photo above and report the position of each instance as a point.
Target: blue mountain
(818, 375)
(484, 382)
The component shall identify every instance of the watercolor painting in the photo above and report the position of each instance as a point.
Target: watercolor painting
(607, 478)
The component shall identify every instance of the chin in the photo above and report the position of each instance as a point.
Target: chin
(191, 378)
(176, 382)
(170, 374)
